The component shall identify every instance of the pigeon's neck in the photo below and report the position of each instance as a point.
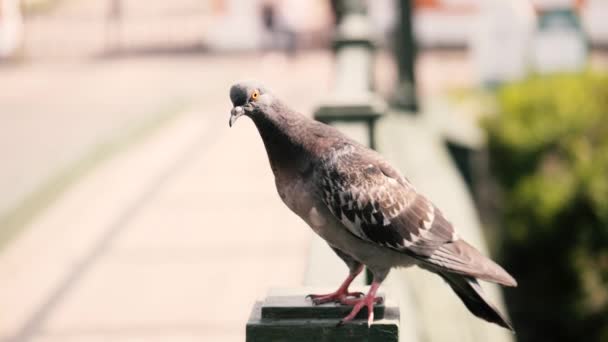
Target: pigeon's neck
(284, 138)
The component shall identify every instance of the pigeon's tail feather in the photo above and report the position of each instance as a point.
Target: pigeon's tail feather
(460, 257)
(473, 297)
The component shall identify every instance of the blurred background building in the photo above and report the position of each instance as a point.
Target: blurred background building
(129, 211)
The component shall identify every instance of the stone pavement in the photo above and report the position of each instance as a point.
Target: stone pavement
(173, 238)
(54, 114)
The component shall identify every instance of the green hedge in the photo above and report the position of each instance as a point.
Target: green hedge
(549, 150)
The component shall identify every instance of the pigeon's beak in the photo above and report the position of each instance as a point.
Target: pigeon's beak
(235, 113)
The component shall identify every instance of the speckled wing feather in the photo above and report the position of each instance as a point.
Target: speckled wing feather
(375, 203)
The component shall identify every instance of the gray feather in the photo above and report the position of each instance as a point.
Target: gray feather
(473, 297)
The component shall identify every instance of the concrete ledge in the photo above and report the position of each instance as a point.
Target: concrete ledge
(417, 148)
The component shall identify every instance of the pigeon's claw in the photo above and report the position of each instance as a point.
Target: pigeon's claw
(339, 296)
(358, 304)
(368, 301)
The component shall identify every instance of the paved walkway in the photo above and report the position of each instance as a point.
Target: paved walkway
(53, 114)
(172, 239)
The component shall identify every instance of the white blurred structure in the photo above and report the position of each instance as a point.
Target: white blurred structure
(237, 26)
(501, 40)
(445, 23)
(559, 42)
(593, 16)
(552, 3)
(11, 27)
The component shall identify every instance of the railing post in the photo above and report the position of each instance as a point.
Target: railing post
(352, 100)
(285, 315)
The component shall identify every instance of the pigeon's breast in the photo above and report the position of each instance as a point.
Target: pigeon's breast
(294, 193)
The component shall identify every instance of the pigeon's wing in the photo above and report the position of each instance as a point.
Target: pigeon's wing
(374, 202)
(377, 204)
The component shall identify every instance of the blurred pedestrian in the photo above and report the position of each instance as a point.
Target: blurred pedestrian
(269, 20)
(336, 11)
(279, 26)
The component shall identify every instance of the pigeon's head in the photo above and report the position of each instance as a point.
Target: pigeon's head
(247, 98)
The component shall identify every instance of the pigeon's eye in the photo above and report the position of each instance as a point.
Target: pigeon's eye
(255, 95)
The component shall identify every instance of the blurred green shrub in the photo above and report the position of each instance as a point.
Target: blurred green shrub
(549, 150)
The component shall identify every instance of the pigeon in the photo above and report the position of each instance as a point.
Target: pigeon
(368, 213)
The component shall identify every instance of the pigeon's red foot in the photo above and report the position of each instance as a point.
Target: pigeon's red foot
(339, 296)
(368, 301)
